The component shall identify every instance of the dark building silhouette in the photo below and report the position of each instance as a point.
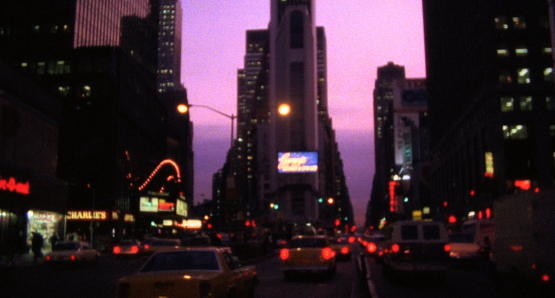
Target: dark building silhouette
(491, 106)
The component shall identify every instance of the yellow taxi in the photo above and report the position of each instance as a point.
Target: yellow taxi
(342, 247)
(308, 254)
(191, 272)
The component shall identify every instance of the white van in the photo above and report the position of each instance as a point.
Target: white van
(483, 231)
(416, 246)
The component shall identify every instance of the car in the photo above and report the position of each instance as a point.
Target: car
(162, 244)
(191, 272)
(128, 248)
(71, 253)
(416, 246)
(463, 248)
(308, 254)
(342, 247)
(374, 246)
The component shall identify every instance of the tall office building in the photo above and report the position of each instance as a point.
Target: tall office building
(491, 105)
(169, 45)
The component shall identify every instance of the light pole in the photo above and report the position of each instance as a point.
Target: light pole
(283, 109)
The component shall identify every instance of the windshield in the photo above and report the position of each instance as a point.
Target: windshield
(182, 260)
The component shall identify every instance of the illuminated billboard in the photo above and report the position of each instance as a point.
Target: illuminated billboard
(148, 204)
(298, 162)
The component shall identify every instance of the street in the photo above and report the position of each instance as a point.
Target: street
(100, 281)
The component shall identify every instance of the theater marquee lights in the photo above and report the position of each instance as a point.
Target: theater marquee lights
(298, 162)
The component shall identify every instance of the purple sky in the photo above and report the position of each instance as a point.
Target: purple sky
(362, 35)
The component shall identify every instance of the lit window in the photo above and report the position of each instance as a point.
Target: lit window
(515, 132)
(525, 103)
(503, 50)
(505, 77)
(550, 102)
(519, 23)
(548, 74)
(41, 67)
(507, 104)
(547, 50)
(523, 75)
(86, 91)
(501, 23)
(521, 51)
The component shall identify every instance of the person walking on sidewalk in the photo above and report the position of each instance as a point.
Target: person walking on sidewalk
(36, 246)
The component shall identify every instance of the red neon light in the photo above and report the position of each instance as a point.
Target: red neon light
(164, 162)
(12, 185)
(523, 184)
(488, 213)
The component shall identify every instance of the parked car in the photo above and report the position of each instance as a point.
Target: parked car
(374, 246)
(416, 246)
(308, 254)
(192, 272)
(464, 249)
(71, 253)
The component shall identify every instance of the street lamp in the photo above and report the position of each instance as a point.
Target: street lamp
(283, 109)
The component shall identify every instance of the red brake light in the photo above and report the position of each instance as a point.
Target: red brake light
(447, 247)
(146, 246)
(72, 257)
(327, 253)
(117, 249)
(371, 247)
(134, 249)
(284, 254)
(345, 250)
(351, 239)
(47, 258)
(545, 277)
(395, 248)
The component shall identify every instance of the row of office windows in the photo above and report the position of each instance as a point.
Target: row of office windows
(523, 76)
(523, 103)
(503, 50)
(36, 29)
(517, 22)
(520, 131)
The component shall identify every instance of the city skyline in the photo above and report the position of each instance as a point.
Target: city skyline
(386, 32)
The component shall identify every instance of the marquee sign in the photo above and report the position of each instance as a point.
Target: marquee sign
(298, 162)
(86, 215)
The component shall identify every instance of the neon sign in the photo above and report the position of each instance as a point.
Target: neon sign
(297, 162)
(86, 215)
(12, 185)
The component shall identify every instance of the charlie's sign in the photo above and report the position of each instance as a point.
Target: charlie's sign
(86, 215)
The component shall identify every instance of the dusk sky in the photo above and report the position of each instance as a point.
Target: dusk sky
(362, 35)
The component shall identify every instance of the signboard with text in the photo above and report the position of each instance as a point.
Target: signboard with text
(298, 162)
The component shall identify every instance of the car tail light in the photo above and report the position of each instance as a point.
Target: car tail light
(146, 246)
(117, 249)
(351, 239)
(327, 253)
(284, 254)
(395, 248)
(345, 250)
(447, 247)
(371, 247)
(545, 277)
(72, 257)
(47, 258)
(134, 249)
(204, 289)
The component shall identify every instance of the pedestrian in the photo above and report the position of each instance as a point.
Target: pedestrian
(54, 239)
(36, 246)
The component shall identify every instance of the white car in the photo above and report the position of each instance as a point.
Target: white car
(72, 253)
(463, 248)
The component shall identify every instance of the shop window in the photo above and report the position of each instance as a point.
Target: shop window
(507, 104)
(525, 103)
(505, 77)
(515, 132)
(548, 74)
(523, 75)
(501, 23)
(550, 102)
(519, 23)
